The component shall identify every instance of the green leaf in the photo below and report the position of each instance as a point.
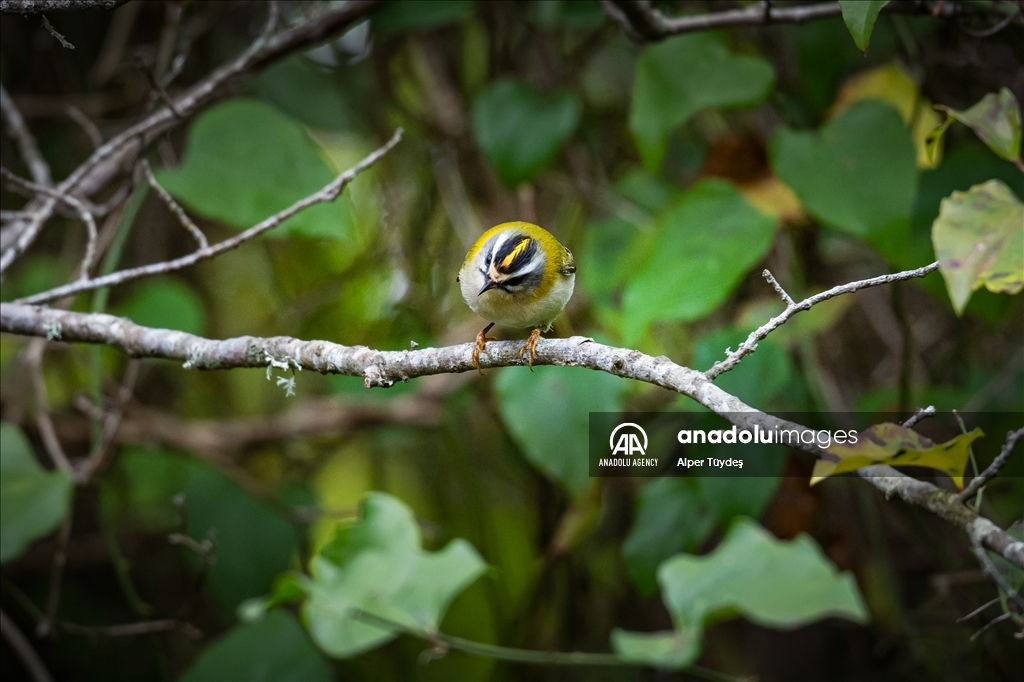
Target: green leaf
(375, 566)
(547, 411)
(519, 130)
(705, 244)
(274, 649)
(979, 239)
(896, 445)
(405, 15)
(245, 161)
(995, 120)
(860, 17)
(32, 500)
(680, 76)
(165, 303)
(677, 514)
(671, 517)
(857, 173)
(325, 98)
(774, 583)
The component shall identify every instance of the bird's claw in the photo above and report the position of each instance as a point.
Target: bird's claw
(481, 341)
(529, 349)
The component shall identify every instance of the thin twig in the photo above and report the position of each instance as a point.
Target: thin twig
(977, 611)
(16, 128)
(131, 629)
(34, 361)
(443, 642)
(997, 464)
(99, 455)
(778, 287)
(993, 572)
(750, 345)
(328, 193)
(177, 210)
(922, 413)
(83, 212)
(992, 623)
(60, 559)
(21, 646)
(86, 124)
(56, 34)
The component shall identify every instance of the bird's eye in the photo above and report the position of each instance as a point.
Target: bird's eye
(514, 281)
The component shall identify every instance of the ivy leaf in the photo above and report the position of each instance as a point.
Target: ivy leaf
(705, 243)
(775, 583)
(376, 568)
(857, 173)
(860, 17)
(521, 130)
(995, 120)
(32, 499)
(276, 648)
(979, 239)
(547, 411)
(246, 161)
(678, 77)
(896, 445)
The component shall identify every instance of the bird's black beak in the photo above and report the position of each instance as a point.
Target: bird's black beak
(488, 284)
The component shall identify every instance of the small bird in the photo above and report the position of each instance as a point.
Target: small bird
(517, 275)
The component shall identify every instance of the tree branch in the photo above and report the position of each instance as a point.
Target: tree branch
(105, 162)
(385, 368)
(643, 23)
(17, 129)
(23, 648)
(40, 6)
(329, 193)
(993, 469)
(750, 345)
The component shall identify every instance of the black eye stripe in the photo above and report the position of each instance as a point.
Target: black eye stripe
(515, 281)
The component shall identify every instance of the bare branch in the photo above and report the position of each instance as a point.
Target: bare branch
(83, 212)
(778, 287)
(997, 464)
(56, 34)
(34, 360)
(40, 6)
(17, 129)
(21, 646)
(385, 368)
(993, 572)
(922, 413)
(86, 124)
(99, 455)
(176, 209)
(60, 559)
(131, 629)
(107, 161)
(750, 345)
(328, 193)
(642, 22)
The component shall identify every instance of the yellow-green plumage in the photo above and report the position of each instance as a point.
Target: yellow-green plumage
(531, 276)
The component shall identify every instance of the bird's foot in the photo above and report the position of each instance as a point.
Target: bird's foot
(481, 341)
(529, 349)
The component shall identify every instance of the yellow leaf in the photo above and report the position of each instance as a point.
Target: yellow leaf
(890, 84)
(895, 445)
(771, 195)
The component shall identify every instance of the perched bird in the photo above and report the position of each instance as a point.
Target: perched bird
(517, 275)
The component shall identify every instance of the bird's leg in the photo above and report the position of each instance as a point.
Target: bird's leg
(529, 349)
(481, 341)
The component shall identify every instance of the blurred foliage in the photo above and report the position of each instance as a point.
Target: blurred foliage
(676, 172)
